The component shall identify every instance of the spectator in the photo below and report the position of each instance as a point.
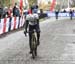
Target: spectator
(64, 11)
(71, 14)
(9, 12)
(4, 12)
(16, 11)
(56, 13)
(41, 11)
(25, 12)
(34, 6)
(73, 11)
(1, 12)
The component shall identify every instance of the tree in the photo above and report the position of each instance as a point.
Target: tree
(4, 3)
(72, 3)
(31, 2)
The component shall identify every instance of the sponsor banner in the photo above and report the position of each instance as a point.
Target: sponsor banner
(73, 14)
(49, 14)
(52, 14)
(63, 14)
(5, 25)
(17, 22)
(1, 26)
(21, 20)
(8, 24)
(52, 5)
(12, 23)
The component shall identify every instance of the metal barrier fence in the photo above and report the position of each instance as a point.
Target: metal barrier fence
(60, 14)
(12, 23)
(8, 24)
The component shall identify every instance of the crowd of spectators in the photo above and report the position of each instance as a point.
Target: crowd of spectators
(64, 11)
(9, 11)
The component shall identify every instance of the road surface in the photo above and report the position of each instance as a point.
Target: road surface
(57, 44)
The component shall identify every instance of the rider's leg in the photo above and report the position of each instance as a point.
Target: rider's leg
(38, 34)
(30, 36)
(38, 38)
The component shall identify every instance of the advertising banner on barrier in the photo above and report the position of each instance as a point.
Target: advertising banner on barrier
(63, 14)
(52, 14)
(21, 20)
(17, 22)
(8, 24)
(12, 23)
(74, 14)
(5, 24)
(1, 26)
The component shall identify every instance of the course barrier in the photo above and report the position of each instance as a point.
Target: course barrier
(60, 14)
(12, 23)
(43, 15)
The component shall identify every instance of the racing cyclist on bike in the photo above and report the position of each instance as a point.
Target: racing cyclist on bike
(32, 21)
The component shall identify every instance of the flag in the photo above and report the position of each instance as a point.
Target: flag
(13, 3)
(21, 5)
(52, 5)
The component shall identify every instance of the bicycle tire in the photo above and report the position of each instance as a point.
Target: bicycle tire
(34, 47)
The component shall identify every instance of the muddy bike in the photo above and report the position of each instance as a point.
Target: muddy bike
(33, 44)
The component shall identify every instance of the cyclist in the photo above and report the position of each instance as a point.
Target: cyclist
(32, 20)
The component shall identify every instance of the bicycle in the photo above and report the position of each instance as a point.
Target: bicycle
(33, 44)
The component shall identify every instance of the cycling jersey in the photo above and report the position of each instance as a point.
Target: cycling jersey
(32, 18)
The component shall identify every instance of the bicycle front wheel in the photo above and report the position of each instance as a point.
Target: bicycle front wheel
(34, 47)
